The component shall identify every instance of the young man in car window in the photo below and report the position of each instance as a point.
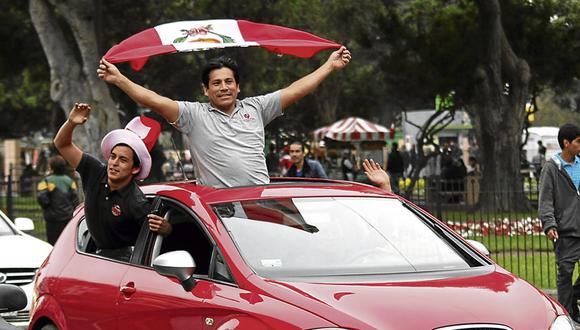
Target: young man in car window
(115, 207)
(559, 211)
(226, 135)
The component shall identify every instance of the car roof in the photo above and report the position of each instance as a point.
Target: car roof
(277, 188)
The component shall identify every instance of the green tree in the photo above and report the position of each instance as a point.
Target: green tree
(69, 37)
(25, 105)
(495, 61)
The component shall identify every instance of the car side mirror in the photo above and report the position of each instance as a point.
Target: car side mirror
(178, 264)
(24, 224)
(12, 298)
(479, 247)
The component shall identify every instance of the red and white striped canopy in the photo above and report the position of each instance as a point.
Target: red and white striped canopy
(352, 129)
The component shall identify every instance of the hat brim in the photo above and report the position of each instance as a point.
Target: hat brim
(131, 139)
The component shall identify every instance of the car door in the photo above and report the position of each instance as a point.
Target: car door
(88, 287)
(148, 300)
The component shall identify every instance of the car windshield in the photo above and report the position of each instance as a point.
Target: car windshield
(334, 236)
(5, 229)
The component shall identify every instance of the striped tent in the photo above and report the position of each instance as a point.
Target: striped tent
(352, 129)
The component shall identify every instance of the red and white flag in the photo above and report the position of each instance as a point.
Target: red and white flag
(186, 36)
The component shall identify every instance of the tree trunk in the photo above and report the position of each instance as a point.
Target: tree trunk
(501, 91)
(327, 97)
(73, 69)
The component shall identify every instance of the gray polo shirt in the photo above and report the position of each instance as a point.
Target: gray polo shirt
(228, 150)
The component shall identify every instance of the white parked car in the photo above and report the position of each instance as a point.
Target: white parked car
(20, 256)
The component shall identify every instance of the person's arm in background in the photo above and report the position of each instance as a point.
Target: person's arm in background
(546, 203)
(74, 197)
(43, 195)
(164, 106)
(320, 171)
(307, 84)
(377, 175)
(63, 139)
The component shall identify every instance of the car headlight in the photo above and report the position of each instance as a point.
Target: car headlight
(562, 322)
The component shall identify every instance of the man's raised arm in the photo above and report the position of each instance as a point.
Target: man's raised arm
(164, 106)
(307, 84)
(63, 139)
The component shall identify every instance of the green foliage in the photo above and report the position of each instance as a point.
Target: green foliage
(24, 75)
(434, 48)
(546, 33)
(551, 112)
(404, 53)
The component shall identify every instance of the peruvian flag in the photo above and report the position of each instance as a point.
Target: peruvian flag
(187, 36)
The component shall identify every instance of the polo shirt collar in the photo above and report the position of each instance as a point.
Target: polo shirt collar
(237, 108)
(565, 163)
(127, 189)
(123, 191)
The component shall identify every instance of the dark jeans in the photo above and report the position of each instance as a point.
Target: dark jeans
(121, 254)
(395, 178)
(53, 230)
(567, 251)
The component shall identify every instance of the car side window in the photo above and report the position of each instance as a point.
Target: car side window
(86, 244)
(84, 240)
(188, 235)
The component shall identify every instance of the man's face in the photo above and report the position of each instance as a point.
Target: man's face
(573, 147)
(222, 89)
(296, 153)
(120, 164)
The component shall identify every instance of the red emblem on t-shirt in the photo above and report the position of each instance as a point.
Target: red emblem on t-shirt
(247, 117)
(116, 210)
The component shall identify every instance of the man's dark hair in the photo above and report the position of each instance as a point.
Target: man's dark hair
(395, 146)
(568, 132)
(298, 143)
(58, 164)
(218, 63)
(136, 161)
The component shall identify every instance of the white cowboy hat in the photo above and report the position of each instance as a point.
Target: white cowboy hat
(140, 135)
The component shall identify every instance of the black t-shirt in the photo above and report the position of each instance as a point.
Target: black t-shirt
(114, 218)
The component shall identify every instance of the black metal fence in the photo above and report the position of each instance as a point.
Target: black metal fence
(514, 238)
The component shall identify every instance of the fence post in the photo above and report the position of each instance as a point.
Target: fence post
(9, 200)
(438, 196)
(2, 189)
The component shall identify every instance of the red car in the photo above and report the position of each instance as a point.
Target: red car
(294, 254)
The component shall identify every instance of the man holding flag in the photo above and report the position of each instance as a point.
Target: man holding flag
(226, 135)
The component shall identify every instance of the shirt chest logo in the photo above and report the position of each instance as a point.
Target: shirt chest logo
(116, 210)
(247, 117)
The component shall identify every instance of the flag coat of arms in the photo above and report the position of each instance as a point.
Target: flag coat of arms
(186, 36)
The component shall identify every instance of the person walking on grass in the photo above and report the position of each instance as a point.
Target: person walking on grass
(559, 211)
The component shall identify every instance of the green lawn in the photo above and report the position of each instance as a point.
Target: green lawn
(512, 244)
(28, 207)
(537, 268)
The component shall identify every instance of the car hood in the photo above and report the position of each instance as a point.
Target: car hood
(22, 251)
(497, 297)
